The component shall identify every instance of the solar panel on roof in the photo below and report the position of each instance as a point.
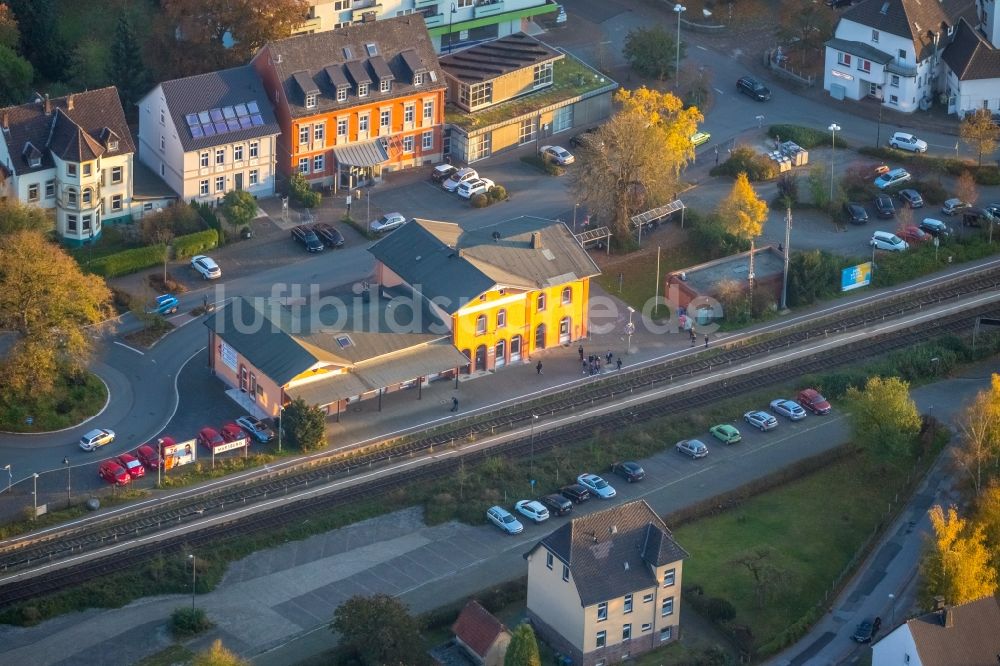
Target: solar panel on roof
(192, 119)
(252, 107)
(196, 131)
(228, 112)
(233, 124)
(222, 120)
(241, 110)
(245, 122)
(257, 120)
(208, 129)
(203, 117)
(220, 127)
(216, 115)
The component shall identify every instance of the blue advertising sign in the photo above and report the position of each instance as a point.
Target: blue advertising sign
(856, 276)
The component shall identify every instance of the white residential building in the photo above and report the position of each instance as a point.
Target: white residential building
(972, 62)
(949, 636)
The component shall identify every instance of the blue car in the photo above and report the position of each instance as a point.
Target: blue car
(164, 305)
(256, 428)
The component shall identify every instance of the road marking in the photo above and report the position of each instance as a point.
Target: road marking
(701, 47)
(718, 91)
(122, 344)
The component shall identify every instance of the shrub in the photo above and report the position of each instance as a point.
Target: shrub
(210, 219)
(127, 261)
(480, 201)
(858, 183)
(931, 191)
(174, 220)
(186, 622)
(542, 164)
(806, 137)
(302, 193)
(240, 207)
(168, 285)
(788, 188)
(357, 226)
(709, 236)
(987, 175)
(745, 159)
(497, 193)
(196, 243)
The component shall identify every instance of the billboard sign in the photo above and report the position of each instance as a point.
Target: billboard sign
(176, 454)
(853, 277)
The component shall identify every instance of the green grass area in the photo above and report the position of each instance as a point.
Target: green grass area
(570, 78)
(638, 274)
(73, 399)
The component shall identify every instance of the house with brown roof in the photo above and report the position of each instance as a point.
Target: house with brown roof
(606, 586)
(355, 102)
(483, 637)
(210, 134)
(73, 156)
(515, 91)
(972, 64)
(963, 635)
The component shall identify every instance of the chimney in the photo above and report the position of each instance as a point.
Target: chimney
(48, 105)
(536, 240)
(947, 618)
(69, 102)
(938, 603)
(6, 120)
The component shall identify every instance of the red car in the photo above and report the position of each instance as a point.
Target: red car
(913, 234)
(812, 400)
(131, 465)
(147, 456)
(210, 438)
(114, 473)
(232, 432)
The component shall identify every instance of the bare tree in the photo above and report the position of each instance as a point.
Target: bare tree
(765, 573)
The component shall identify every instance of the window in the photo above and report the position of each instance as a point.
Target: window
(602, 611)
(86, 222)
(362, 90)
(407, 144)
(409, 113)
(602, 638)
(220, 183)
(626, 632)
(481, 324)
(204, 160)
(865, 66)
(203, 188)
(476, 95)
(70, 169)
(565, 570)
(627, 606)
(50, 189)
(893, 99)
(86, 169)
(341, 94)
(385, 85)
(542, 74)
(428, 109)
(220, 156)
(501, 318)
(540, 302)
(669, 577)
(33, 192)
(341, 5)
(646, 627)
(875, 36)
(311, 100)
(666, 633)
(237, 153)
(116, 202)
(548, 559)
(303, 134)
(319, 132)
(254, 177)
(341, 128)
(163, 143)
(567, 295)
(526, 131)
(384, 118)
(319, 164)
(116, 174)
(667, 607)
(901, 54)
(363, 123)
(71, 196)
(254, 149)
(163, 117)
(418, 79)
(71, 222)
(894, 81)
(87, 196)
(844, 59)
(647, 598)
(427, 141)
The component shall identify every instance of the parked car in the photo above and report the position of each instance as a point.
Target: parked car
(558, 154)
(867, 630)
(556, 504)
(814, 401)
(837, 4)
(583, 138)
(443, 172)
(788, 408)
(699, 138)
(883, 240)
(471, 188)
(328, 234)
(575, 493)
(96, 439)
(387, 222)
(975, 217)
(913, 234)
(163, 305)
(459, 177)
(753, 88)
(148, 456)
(533, 510)
(206, 266)
(503, 519)
(692, 447)
(596, 486)
(906, 141)
(993, 210)
(305, 235)
(256, 428)
(884, 206)
(935, 228)
(131, 465)
(856, 213)
(112, 472)
(232, 433)
(210, 438)
(628, 470)
(761, 420)
(952, 206)
(892, 177)
(911, 198)
(725, 433)
(561, 15)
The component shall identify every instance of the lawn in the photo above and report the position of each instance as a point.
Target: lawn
(637, 271)
(72, 400)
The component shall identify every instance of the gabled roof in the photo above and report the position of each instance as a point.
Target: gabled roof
(860, 49)
(346, 49)
(497, 57)
(971, 56)
(453, 266)
(917, 20)
(217, 90)
(972, 638)
(610, 553)
(477, 628)
(73, 128)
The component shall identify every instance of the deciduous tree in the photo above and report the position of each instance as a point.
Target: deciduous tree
(965, 188)
(126, 69)
(41, 42)
(742, 212)
(217, 655)
(979, 425)
(980, 132)
(16, 75)
(240, 207)
(45, 301)
(10, 36)
(89, 64)
(957, 565)
(884, 418)
(523, 648)
(807, 24)
(15, 216)
(651, 52)
(766, 574)
(304, 425)
(379, 631)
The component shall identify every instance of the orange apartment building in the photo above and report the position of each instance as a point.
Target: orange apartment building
(355, 102)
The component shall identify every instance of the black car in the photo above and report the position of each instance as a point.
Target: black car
(867, 630)
(583, 138)
(856, 213)
(975, 217)
(307, 237)
(628, 470)
(442, 172)
(934, 227)
(753, 88)
(884, 206)
(911, 198)
(556, 504)
(328, 234)
(575, 493)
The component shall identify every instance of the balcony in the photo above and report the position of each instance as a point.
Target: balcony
(424, 4)
(895, 67)
(489, 8)
(434, 20)
(358, 11)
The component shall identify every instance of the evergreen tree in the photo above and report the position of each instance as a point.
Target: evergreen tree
(126, 69)
(41, 43)
(523, 648)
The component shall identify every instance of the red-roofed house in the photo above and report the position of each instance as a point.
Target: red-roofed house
(483, 636)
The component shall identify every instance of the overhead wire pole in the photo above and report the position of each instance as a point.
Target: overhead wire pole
(787, 252)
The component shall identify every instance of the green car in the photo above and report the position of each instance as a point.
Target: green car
(725, 433)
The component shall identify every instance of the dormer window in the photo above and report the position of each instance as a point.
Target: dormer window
(34, 162)
(113, 144)
(418, 79)
(362, 90)
(385, 85)
(341, 94)
(311, 101)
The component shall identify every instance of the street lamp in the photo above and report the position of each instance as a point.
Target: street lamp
(194, 576)
(834, 128)
(679, 9)
(451, 17)
(575, 206)
(10, 477)
(531, 460)
(69, 496)
(34, 495)
(892, 612)
(629, 330)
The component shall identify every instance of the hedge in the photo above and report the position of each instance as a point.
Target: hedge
(196, 243)
(984, 175)
(806, 137)
(542, 164)
(211, 219)
(128, 261)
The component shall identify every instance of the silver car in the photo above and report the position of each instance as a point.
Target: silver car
(692, 447)
(96, 439)
(788, 408)
(503, 519)
(761, 420)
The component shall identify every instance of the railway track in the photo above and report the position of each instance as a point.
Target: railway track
(57, 546)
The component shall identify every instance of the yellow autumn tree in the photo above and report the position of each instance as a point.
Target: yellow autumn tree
(742, 212)
(958, 565)
(979, 426)
(218, 655)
